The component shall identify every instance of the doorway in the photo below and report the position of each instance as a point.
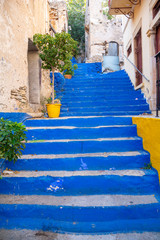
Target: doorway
(138, 54)
(34, 73)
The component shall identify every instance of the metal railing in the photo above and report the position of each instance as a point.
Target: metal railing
(137, 69)
(158, 83)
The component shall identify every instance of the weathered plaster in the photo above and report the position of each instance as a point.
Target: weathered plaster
(19, 21)
(100, 31)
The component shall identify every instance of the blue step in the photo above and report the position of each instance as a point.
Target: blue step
(121, 182)
(80, 173)
(82, 220)
(132, 160)
(106, 113)
(79, 122)
(82, 133)
(110, 96)
(83, 146)
(96, 86)
(102, 92)
(101, 103)
(143, 107)
(106, 97)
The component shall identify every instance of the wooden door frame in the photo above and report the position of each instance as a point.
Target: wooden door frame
(138, 82)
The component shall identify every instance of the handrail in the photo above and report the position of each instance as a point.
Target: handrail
(136, 68)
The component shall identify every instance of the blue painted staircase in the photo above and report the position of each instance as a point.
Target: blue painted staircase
(84, 172)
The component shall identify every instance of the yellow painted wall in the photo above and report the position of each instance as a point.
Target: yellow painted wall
(149, 130)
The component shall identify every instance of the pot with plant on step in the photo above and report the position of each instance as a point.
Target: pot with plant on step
(53, 108)
(69, 72)
(55, 53)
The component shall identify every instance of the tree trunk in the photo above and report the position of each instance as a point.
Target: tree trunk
(53, 86)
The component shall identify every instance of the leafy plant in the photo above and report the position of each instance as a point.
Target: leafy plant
(70, 68)
(12, 139)
(55, 52)
(147, 166)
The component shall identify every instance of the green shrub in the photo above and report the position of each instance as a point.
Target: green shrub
(12, 139)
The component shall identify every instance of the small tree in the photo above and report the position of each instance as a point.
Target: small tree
(55, 52)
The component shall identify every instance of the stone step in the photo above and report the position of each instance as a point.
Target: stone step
(75, 162)
(73, 146)
(105, 113)
(106, 108)
(98, 78)
(50, 133)
(97, 87)
(85, 103)
(110, 92)
(42, 235)
(69, 183)
(125, 97)
(79, 121)
(114, 96)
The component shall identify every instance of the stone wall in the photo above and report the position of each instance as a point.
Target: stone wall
(20, 20)
(58, 15)
(100, 31)
(23, 83)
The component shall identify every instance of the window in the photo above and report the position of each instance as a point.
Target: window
(129, 50)
(156, 8)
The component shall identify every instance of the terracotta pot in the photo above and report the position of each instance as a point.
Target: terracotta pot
(68, 76)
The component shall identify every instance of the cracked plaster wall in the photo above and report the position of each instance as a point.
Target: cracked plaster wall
(19, 20)
(58, 15)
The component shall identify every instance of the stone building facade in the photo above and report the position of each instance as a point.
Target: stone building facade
(58, 15)
(141, 29)
(22, 81)
(100, 31)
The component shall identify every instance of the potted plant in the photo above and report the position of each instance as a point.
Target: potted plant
(12, 140)
(55, 53)
(69, 72)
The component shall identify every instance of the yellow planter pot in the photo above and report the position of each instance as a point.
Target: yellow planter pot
(53, 110)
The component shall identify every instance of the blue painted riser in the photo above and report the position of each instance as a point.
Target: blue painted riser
(96, 87)
(102, 92)
(80, 122)
(102, 103)
(107, 219)
(131, 225)
(82, 185)
(106, 108)
(83, 146)
(109, 113)
(81, 163)
(125, 97)
(82, 133)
